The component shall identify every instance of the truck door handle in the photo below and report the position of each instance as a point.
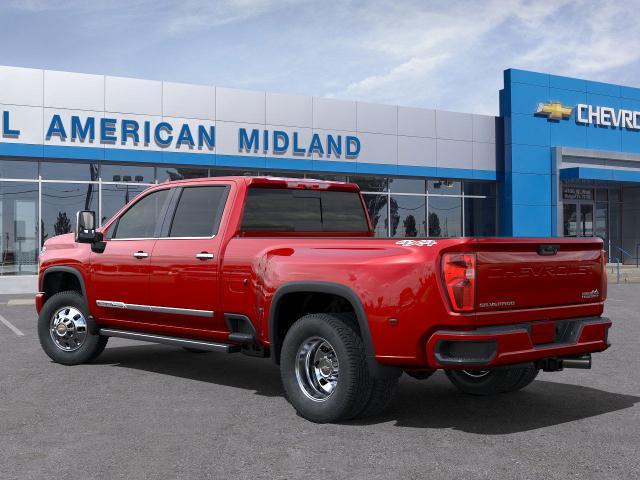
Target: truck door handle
(204, 256)
(141, 254)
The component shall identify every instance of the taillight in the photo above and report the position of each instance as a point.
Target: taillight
(603, 289)
(459, 274)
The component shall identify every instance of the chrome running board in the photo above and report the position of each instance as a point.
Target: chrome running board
(175, 341)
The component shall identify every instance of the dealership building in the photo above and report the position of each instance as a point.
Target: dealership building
(561, 159)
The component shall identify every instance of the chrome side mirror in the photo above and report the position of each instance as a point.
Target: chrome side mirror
(86, 226)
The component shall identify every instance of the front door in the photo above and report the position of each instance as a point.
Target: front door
(185, 263)
(578, 219)
(120, 274)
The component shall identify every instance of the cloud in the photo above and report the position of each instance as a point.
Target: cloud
(450, 54)
(198, 15)
(438, 54)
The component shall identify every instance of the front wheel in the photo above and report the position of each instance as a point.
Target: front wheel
(491, 382)
(67, 331)
(323, 369)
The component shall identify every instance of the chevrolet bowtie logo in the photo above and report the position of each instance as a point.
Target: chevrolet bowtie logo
(554, 111)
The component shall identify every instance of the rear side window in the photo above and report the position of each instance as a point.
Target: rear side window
(198, 212)
(290, 210)
(141, 219)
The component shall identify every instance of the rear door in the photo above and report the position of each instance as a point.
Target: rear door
(184, 287)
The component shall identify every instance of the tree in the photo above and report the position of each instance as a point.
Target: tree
(62, 225)
(410, 229)
(395, 216)
(434, 225)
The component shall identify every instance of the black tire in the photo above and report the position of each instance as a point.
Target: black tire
(380, 398)
(491, 382)
(352, 389)
(194, 350)
(91, 345)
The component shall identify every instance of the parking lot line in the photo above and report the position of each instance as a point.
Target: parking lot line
(21, 301)
(11, 327)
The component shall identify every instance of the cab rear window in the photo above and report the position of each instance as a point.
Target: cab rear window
(292, 210)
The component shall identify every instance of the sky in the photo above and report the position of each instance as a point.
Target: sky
(442, 54)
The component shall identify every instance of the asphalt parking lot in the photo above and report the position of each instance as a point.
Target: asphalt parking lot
(149, 411)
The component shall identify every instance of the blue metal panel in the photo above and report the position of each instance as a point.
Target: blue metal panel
(525, 98)
(526, 129)
(20, 150)
(586, 173)
(485, 175)
(567, 133)
(531, 189)
(186, 158)
(525, 76)
(531, 159)
(630, 92)
(79, 153)
(240, 161)
(567, 83)
(603, 89)
(600, 137)
(380, 168)
(601, 174)
(630, 139)
(411, 170)
(531, 221)
(125, 155)
(289, 163)
(330, 166)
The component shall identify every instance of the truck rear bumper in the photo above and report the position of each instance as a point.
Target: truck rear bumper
(520, 343)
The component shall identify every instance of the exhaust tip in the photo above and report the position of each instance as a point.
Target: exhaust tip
(583, 361)
(555, 364)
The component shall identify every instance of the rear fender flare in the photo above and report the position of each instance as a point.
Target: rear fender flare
(376, 369)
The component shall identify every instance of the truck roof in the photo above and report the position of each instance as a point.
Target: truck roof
(278, 182)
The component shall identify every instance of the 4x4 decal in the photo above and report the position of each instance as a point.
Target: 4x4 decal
(416, 243)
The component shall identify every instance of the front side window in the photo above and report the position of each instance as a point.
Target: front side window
(198, 212)
(141, 219)
(292, 210)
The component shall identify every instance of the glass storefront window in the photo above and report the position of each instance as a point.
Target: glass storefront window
(484, 189)
(180, 173)
(61, 201)
(114, 197)
(445, 216)
(328, 177)
(69, 171)
(408, 214)
(601, 222)
(377, 208)
(279, 173)
(18, 169)
(370, 184)
(218, 172)
(480, 217)
(18, 228)
(601, 194)
(444, 187)
(126, 173)
(570, 219)
(407, 185)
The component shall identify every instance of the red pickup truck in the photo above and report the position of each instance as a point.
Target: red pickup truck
(288, 269)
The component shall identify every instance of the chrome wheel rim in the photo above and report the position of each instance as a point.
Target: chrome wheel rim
(476, 373)
(68, 329)
(317, 369)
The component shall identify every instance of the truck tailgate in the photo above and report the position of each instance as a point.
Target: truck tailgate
(533, 273)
